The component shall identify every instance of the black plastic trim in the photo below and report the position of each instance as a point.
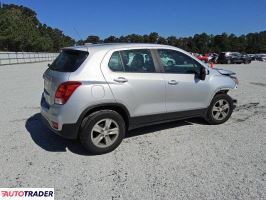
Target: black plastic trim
(136, 122)
(69, 131)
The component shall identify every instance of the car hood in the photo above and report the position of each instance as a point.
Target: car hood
(225, 72)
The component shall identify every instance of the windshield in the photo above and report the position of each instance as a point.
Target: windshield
(69, 60)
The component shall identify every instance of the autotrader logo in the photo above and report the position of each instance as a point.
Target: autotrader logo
(27, 193)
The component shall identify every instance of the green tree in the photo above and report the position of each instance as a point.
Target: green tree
(146, 38)
(201, 43)
(161, 40)
(172, 41)
(20, 30)
(111, 39)
(153, 37)
(92, 39)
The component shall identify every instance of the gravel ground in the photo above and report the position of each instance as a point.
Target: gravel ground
(179, 160)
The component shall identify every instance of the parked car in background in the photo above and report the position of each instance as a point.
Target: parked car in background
(213, 57)
(233, 57)
(261, 57)
(203, 58)
(253, 56)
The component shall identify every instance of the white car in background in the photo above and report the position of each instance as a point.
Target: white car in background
(261, 57)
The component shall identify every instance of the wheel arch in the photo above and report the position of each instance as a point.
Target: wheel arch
(219, 91)
(119, 108)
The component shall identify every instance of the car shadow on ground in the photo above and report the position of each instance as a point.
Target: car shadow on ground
(164, 126)
(49, 141)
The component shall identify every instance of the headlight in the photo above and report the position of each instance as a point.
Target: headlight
(235, 79)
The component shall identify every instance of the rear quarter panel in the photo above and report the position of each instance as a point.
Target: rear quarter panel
(94, 89)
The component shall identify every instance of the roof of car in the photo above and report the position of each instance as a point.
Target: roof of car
(111, 46)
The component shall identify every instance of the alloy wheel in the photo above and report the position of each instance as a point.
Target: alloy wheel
(220, 109)
(104, 133)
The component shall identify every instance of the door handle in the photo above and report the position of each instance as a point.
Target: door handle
(172, 82)
(120, 80)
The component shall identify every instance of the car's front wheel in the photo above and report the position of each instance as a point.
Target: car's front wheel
(102, 131)
(220, 109)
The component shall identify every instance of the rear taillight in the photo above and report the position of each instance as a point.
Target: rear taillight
(64, 91)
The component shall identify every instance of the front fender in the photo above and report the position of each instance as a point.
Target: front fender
(221, 83)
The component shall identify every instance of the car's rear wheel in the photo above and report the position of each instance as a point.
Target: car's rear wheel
(220, 109)
(102, 131)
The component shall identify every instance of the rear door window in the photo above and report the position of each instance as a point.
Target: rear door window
(69, 60)
(138, 60)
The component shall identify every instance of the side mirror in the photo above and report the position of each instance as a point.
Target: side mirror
(202, 74)
(49, 65)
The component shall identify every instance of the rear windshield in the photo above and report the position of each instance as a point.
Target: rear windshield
(69, 60)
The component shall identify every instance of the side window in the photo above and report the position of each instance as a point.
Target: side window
(115, 63)
(139, 61)
(177, 62)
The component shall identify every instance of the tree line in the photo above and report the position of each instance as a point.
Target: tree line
(202, 43)
(20, 30)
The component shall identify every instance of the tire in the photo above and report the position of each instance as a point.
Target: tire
(220, 109)
(102, 131)
(229, 61)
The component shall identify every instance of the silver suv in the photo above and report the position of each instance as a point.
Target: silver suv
(98, 92)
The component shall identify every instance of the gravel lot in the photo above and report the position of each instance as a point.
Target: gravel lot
(179, 160)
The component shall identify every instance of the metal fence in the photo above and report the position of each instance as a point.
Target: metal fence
(9, 58)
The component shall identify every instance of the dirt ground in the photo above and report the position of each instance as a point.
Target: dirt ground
(179, 160)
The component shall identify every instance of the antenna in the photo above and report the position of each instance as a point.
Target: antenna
(77, 33)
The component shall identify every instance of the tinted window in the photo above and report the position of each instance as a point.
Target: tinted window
(236, 54)
(177, 62)
(115, 63)
(139, 61)
(222, 54)
(69, 60)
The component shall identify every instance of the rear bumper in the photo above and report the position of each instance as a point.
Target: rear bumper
(50, 115)
(68, 131)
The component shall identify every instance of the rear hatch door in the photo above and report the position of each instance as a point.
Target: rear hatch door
(68, 61)
(52, 79)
